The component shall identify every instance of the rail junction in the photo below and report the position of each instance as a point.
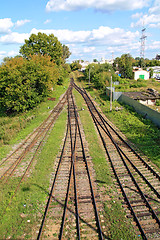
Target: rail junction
(74, 202)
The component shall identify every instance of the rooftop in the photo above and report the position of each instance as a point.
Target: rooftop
(148, 94)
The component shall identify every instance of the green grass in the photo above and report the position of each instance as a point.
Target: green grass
(115, 219)
(30, 200)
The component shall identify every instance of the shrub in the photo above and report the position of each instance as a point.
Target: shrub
(25, 83)
(158, 102)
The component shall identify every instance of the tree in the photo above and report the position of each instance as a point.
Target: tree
(98, 74)
(75, 66)
(66, 52)
(24, 84)
(95, 60)
(45, 45)
(124, 64)
(151, 72)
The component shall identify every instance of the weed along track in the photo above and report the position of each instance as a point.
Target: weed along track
(138, 182)
(73, 207)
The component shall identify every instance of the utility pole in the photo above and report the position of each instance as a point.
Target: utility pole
(111, 95)
(91, 68)
(89, 75)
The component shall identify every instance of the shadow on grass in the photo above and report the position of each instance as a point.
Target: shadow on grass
(62, 204)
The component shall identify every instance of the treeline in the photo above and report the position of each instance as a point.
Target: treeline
(121, 70)
(29, 78)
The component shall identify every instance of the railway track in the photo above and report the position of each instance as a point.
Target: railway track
(73, 207)
(138, 181)
(19, 162)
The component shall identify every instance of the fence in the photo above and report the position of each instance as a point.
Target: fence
(145, 111)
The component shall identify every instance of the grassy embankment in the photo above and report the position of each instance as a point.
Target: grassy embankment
(118, 227)
(20, 219)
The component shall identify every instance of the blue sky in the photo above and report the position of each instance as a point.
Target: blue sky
(91, 29)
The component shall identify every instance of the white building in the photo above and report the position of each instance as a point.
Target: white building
(156, 71)
(103, 60)
(84, 64)
(140, 74)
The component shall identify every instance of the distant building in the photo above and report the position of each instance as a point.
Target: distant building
(149, 97)
(156, 71)
(139, 73)
(109, 61)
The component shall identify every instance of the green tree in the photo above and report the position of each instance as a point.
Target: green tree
(124, 64)
(66, 52)
(99, 74)
(95, 60)
(75, 66)
(44, 45)
(151, 72)
(23, 83)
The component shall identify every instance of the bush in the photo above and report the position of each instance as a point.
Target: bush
(158, 102)
(138, 85)
(25, 83)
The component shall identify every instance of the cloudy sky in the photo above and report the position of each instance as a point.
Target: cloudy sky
(90, 28)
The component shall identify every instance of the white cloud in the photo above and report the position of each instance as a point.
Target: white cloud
(20, 23)
(152, 20)
(102, 35)
(14, 37)
(154, 45)
(5, 25)
(136, 15)
(96, 41)
(12, 53)
(155, 8)
(66, 35)
(4, 54)
(47, 21)
(101, 5)
(88, 49)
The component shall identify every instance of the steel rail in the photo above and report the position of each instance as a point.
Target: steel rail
(142, 195)
(70, 174)
(90, 182)
(122, 189)
(120, 150)
(74, 176)
(52, 188)
(28, 148)
(104, 120)
(133, 179)
(109, 134)
(36, 130)
(31, 161)
(120, 184)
